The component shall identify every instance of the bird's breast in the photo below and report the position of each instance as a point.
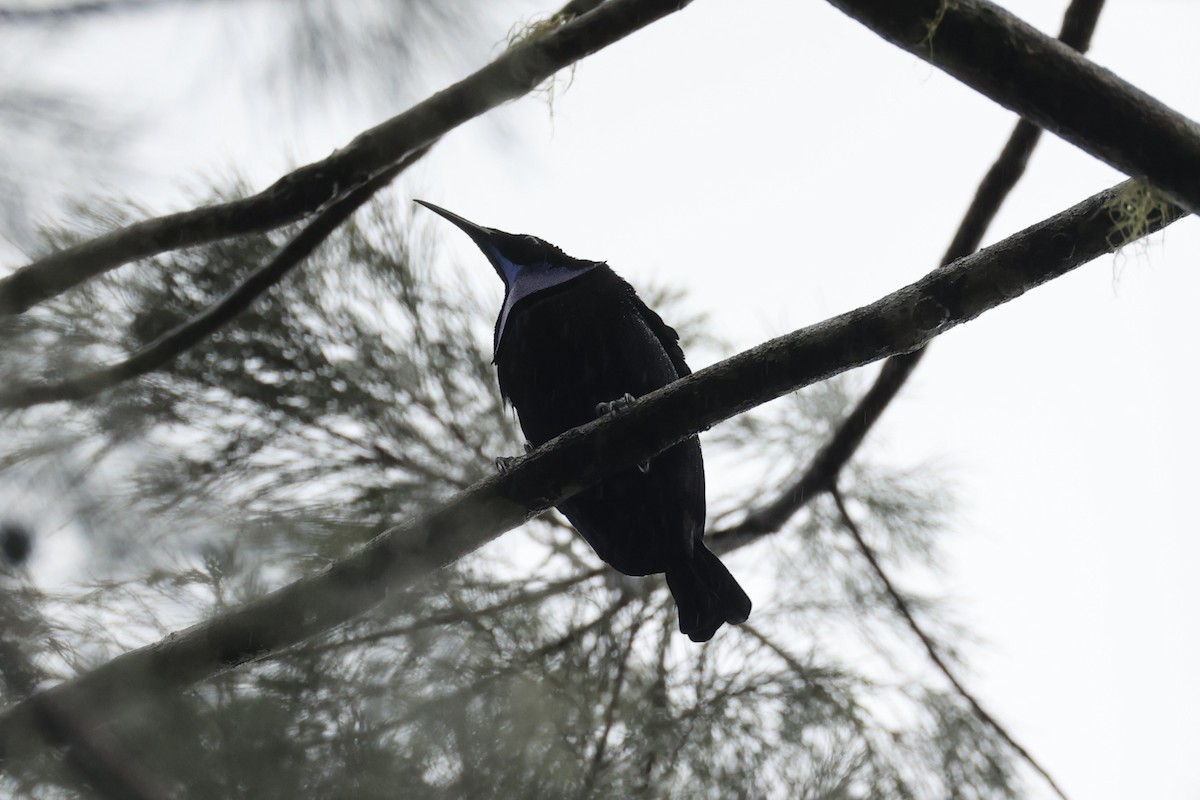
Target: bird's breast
(565, 350)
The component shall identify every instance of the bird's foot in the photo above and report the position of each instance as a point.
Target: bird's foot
(612, 407)
(504, 463)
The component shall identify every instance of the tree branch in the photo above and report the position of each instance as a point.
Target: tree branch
(1079, 23)
(440, 618)
(900, 322)
(931, 648)
(515, 666)
(303, 191)
(96, 762)
(596, 765)
(1048, 83)
(172, 344)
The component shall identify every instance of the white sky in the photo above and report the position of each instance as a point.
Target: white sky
(742, 149)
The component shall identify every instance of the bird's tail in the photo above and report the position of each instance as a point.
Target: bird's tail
(707, 595)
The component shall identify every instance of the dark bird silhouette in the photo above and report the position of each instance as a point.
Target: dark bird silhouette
(573, 340)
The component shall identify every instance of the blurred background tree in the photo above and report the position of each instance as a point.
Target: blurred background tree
(360, 393)
(287, 59)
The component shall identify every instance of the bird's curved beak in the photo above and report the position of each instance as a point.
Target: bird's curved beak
(470, 228)
(484, 238)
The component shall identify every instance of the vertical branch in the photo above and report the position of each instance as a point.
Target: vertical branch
(660, 708)
(610, 711)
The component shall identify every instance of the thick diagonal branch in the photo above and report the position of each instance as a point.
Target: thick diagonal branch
(1047, 83)
(302, 192)
(900, 322)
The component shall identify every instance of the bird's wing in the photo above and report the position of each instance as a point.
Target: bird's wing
(667, 336)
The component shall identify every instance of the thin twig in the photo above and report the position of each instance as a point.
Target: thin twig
(610, 711)
(513, 667)
(659, 701)
(172, 344)
(931, 648)
(451, 617)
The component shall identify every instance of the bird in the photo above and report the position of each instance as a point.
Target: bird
(574, 341)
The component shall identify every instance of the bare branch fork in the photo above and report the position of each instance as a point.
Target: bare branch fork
(398, 558)
(303, 191)
(191, 332)
(1079, 23)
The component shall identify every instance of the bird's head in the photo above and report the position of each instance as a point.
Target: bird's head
(516, 257)
(525, 263)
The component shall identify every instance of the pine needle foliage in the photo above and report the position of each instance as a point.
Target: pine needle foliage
(360, 392)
